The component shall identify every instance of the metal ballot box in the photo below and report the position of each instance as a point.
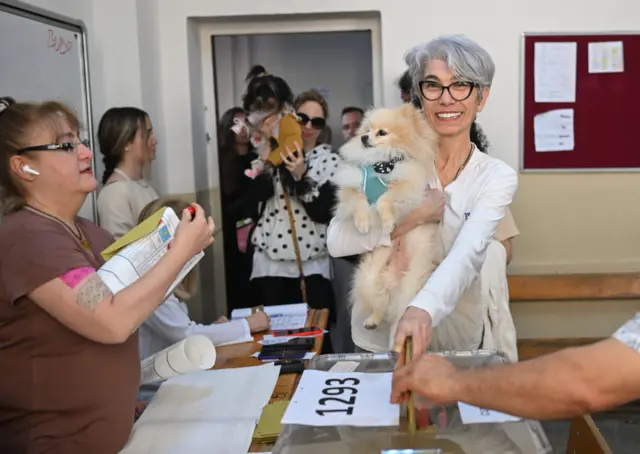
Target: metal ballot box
(446, 435)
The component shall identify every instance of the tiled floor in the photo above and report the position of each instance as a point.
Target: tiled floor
(622, 433)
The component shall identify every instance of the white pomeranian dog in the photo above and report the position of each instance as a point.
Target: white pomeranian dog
(384, 176)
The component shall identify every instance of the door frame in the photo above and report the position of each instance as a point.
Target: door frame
(269, 25)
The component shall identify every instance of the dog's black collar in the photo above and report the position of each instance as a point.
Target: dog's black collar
(386, 167)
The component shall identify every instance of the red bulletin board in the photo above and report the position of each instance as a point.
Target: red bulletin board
(606, 110)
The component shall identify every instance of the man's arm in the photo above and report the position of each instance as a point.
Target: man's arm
(568, 383)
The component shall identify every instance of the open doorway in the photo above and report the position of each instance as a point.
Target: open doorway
(337, 64)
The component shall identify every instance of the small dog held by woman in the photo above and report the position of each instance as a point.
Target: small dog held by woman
(385, 172)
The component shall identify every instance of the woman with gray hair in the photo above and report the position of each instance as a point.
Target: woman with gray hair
(452, 77)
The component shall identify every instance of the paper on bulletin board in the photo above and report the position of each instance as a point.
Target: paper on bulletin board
(555, 72)
(607, 57)
(553, 130)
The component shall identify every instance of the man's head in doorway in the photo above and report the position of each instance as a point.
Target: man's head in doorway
(351, 119)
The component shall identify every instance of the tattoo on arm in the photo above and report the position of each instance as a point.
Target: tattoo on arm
(92, 292)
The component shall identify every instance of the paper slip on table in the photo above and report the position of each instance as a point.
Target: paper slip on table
(239, 355)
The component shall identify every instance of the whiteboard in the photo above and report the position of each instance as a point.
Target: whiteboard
(43, 56)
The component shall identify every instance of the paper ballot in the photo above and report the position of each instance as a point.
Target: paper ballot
(135, 253)
(475, 415)
(193, 354)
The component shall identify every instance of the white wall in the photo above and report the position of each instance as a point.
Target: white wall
(336, 63)
(114, 62)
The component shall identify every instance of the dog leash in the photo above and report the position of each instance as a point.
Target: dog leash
(294, 238)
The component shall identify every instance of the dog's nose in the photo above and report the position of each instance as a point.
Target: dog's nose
(365, 140)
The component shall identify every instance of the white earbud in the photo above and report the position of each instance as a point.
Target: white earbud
(28, 169)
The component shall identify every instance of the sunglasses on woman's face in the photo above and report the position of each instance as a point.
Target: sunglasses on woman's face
(316, 123)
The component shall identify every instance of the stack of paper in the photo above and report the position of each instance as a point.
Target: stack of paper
(269, 427)
(284, 317)
(206, 412)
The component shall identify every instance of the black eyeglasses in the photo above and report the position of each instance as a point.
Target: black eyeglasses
(68, 147)
(316, 122)
(432, 91)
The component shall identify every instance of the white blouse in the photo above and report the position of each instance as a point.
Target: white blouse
(170, 323)
(475, 203)
(120, 203)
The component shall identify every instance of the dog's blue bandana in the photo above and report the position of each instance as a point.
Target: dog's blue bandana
(372, 185)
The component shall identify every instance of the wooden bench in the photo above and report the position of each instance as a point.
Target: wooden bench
(568, 287)
(585, 437)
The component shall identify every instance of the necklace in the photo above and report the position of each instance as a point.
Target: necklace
(77, 235)
(464, 164)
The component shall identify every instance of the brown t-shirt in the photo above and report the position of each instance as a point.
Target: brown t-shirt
(60, 393)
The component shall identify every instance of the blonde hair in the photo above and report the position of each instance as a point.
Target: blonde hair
(187, 288)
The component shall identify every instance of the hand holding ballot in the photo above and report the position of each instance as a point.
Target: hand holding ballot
(428, 376)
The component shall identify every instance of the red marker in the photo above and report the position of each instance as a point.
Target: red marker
(192, 210)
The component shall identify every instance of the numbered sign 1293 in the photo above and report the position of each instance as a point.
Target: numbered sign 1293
(342, 399)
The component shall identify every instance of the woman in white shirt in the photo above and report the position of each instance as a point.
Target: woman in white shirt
(170, 322)
(127, 142)
(452, 76)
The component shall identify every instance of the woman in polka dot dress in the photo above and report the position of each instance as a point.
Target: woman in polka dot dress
(305, 175)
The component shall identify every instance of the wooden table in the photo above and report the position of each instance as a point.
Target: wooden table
(239, 355)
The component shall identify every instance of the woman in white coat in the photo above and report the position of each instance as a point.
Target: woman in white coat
(452, 77)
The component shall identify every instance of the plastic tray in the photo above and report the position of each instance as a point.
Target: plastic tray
(446, 435)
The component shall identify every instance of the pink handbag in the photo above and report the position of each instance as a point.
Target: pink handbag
(243, 228)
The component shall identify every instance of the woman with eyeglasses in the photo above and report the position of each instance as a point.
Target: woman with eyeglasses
(128, 146)
(68, 346)
(279, 253)
(452, 77)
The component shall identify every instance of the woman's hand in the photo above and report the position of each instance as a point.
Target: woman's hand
(222, 319)
(258, 322)
(193, 235)
(430, 211)
(295, 162)
(416, 323)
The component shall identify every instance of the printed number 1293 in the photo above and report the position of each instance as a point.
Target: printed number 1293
(344, 387)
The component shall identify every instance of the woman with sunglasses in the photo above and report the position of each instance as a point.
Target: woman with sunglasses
(452, 78)
(280, 254)
(68, 346)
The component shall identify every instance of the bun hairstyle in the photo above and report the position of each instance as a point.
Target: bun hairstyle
(117, 130)
(264, 89)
